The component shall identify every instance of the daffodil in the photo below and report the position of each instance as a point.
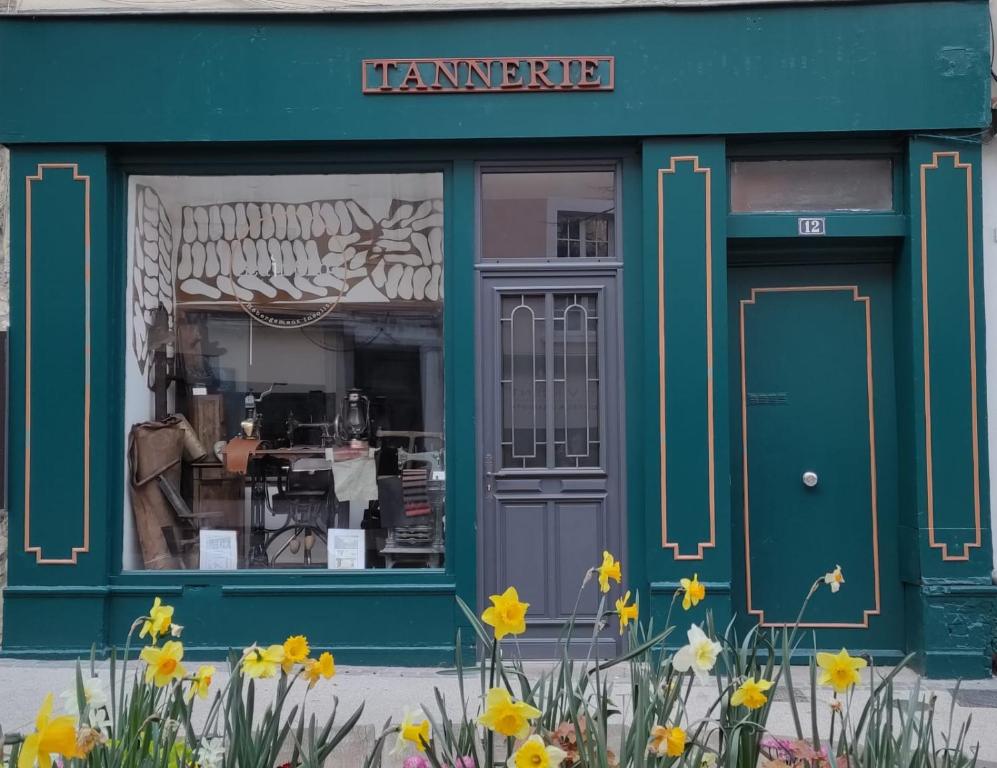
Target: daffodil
(201, 683)
(699, 655)
(506, 614)
(834, 579)
(667, 742)
(535, 754)
(94, 697)
(751, 693)
(839, 670)
(262, 662)
(322, 667)
(610, 569)
(163, 664)
(692, 592)
(412, 731)
(627, 613)
(505, 715)
(211, 753)
(295, 650)
(52, 736)
(159, 620)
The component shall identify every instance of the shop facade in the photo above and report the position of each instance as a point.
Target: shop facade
(449, 302)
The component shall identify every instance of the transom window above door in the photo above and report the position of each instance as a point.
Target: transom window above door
(550, 215)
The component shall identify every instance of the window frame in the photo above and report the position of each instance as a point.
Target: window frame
(611, 164)
(243, 163)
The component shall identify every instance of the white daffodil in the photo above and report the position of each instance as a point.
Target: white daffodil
(699, 655)
(94, 699)
(834, 579)
(211, 753)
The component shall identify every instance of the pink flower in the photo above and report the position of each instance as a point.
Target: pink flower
(415, 761)
(464, 762)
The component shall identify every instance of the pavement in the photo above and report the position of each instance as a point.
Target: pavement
(387, 691)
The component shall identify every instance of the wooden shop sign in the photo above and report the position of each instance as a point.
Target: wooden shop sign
(530, 74)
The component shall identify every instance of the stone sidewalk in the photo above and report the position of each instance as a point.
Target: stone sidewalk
(387, 691)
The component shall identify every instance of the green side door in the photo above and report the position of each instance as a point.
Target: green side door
(813, 451)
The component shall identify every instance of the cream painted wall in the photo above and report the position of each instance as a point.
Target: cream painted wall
(338, 6)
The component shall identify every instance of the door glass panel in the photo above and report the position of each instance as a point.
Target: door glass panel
(576, 366)
(550, 352)
(828, 184)
(551, 215)
(524, 378)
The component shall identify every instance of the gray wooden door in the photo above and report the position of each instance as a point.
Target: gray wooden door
(551, 418)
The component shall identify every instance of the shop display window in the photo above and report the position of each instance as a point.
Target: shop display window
(813, 185)
(284, 372)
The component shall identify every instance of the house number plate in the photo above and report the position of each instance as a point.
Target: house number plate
(812, 226)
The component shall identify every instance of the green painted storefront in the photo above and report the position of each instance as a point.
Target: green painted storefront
(840, 321)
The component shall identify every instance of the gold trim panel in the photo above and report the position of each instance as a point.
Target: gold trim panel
(759, 612)
(929, 469)
(28, 546)
(707, 173)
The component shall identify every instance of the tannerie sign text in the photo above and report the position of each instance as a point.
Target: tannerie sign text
(530, 74)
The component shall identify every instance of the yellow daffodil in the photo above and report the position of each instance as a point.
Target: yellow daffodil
(751, 693)
(627, 613)
(163, 664)
(322, 667)
(667, 742)
(535, 754)
(839, 670)
(610, 569)
(295, 650)
(834, 579)
(412, 731)
(506, 614)
(201, 683)
(505, 715)
(159, 621)
(262, 662)
(693, 591)
(699, 655)
(52, 736)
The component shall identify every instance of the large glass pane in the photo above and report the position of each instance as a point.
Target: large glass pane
(842, 184)
(575, 380)
(524, 381)
(284, 390)
(548, 215)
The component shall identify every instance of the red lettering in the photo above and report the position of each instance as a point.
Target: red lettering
(383, 66)
(566, 73)
(510, 74)
(589, 77)
(538, 74)
(413, 76)
(448, 72)
(483, 69)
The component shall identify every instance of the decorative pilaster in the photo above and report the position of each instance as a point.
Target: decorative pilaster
(945, 509)
(685, 213)
(59, 368)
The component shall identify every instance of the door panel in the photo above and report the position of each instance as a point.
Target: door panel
(812, 378)
(550, 415)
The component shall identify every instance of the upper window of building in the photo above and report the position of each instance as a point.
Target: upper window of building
(553, 215)
(812, 185)
(284, 382)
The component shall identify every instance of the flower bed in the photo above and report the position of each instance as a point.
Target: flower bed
(143, 714)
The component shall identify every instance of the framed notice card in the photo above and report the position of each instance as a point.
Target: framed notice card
(347, 549)
(219, 550)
